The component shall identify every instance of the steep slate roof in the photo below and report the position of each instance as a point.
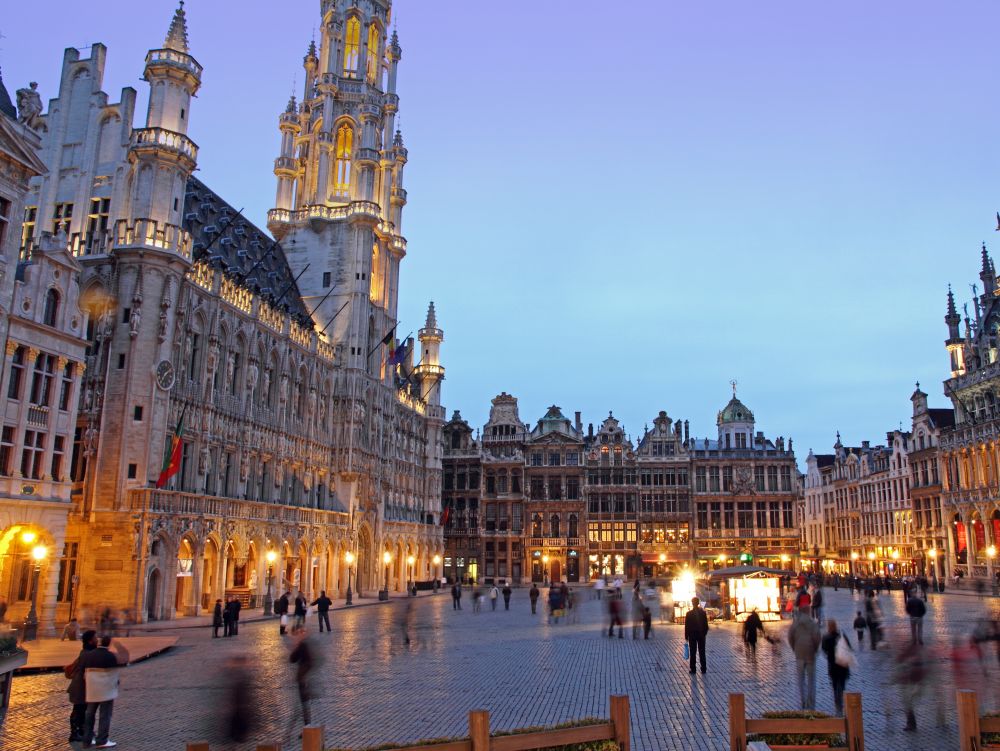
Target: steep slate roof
(6, 105)
(942, 417)
(239, 248)
(825, 460)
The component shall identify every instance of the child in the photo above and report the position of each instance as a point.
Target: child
(860, 624)
(647, 621)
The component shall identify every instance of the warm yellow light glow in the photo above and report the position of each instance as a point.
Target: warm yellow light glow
(663, 557)
(386, 557)
(991, 551)
(28, 537)
(376, 286)
(437, 560)
(349, 557)
(372, 62)
(895, 555)
(785, 558)
(271, 556)
(855, 555)
(342, 158)
(932, 552)
(764, 595)
(39, 552)
(545, 559)
(871, 556)
(722, 558)
(352, 44)
(411, 560)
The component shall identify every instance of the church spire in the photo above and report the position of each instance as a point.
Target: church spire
(177, 35)
(432, 322)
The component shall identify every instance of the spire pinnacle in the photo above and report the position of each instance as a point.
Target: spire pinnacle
(177, 37)
(952, 312)
(987, 264)
(431, 322)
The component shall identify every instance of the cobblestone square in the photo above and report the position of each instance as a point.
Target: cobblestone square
(374, 689)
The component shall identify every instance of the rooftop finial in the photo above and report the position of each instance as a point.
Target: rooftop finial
(177, 38)
(431, 322)
(733, 383)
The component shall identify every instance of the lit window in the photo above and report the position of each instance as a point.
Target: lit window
(51, 308)
(28, 230)
(97, 224)
(352, 44)
(342, 167)
(377, 279)
(61, 218)
(372, 53)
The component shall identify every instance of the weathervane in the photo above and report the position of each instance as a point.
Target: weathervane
(733, 383)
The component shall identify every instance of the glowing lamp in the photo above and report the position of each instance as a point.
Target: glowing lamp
(437, 560)
(871, 556)
(386, 557)
(270, 556)
(932, 552)
(991, 551)
(39, 552)
(349, 557)
(722, 558)
(663, 557)
(855, 555)
(545, 559)
(28, 537)
(895, 555)
(411, 560)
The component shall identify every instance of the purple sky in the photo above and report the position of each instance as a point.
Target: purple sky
(625, 212)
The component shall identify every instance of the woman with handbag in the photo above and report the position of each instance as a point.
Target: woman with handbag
(839, 660)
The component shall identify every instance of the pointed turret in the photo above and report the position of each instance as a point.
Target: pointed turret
(177, 34)
(952, 318)
(988, 277)
(431, 322)
(429, 371)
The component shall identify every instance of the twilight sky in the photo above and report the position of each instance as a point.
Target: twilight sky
(626, 212)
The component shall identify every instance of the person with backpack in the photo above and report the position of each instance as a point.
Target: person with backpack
(494, 595)
(916, 609)
(838, 665)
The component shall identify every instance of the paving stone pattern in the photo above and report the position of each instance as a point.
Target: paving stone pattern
(373, 688)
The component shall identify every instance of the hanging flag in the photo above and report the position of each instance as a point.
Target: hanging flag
(172, 465)
(446, 514)
(397, 353)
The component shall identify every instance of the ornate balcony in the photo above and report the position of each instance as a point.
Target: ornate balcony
(174, 58)
(148, 233)
(368, 209)
(168, 140)
(153, 501)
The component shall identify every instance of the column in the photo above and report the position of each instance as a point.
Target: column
(48, 585)
(5, 374)
(197, 564)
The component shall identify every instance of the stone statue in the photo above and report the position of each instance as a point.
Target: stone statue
(104, 324)
(230, 368)
(29, 107)
(213, 358)
(251, 378)
(265, 387)
(161, 332)
(244, 468)
(311, 404)
(203, 458)
(283, 389)
(133, 322)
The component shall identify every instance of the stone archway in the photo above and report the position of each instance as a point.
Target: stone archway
(154, 594)
(210, 586)
(184, 593)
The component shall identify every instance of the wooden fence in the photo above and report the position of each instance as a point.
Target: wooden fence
(615, 729)
(972, 725)
(850, 725)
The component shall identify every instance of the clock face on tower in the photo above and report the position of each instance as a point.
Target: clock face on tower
(165, 375)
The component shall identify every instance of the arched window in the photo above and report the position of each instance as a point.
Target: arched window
(554, 525)
(573, 526)
(536, 525)
(342, 165)
(377, 280)
(51, 308)
(352, 47)
(372, 63)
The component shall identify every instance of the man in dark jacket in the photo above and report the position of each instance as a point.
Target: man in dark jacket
(281, 609)
(916, 609)
(506, 592)
(695, 630)
(107, 655)
(234, 616)
(77, 690)
(322, 605)
(456, 596)
(300, 610)
(533, 596)
(218, 621)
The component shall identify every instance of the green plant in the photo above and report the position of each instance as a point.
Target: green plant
(797, 739)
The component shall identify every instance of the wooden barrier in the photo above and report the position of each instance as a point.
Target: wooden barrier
(972, 725)
(850, 725)
(616, 729)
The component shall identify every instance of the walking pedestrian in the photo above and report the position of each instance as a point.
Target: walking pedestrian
(322, 605)
(217, 620)
(533, 596)
(506, 596)
(101, 668)
(615, 611)
(227, 617)
(71, 631)
(817, 604)
(804, 639)
(873, 617)
(695, 631)
(751, 626)
(77, 689)
(839, 673)
(860, 625)
(494, 595)
(599, 587)
(909, 674)
(301, 656)
(637, 608)
(916, 609)
(647, 622)
(281, 610)
(239, 715)
(477, 600)
(300, 610)
(456, 596)
(234, 616)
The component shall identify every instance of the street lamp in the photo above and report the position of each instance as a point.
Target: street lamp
(31, 621)
(386, 559)
(349, 557)
(410, 560)
(437, 576)
(545, 569)
(270, 557)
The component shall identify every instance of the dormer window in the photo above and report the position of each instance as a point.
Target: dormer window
(51, 310)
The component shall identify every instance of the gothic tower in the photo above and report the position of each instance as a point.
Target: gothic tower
(340, 181)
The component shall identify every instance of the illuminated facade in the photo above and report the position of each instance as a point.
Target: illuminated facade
(931, 537)
(555, 503)
(970, 449)
(296, 435)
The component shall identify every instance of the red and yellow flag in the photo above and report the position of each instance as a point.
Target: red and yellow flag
(172, 464)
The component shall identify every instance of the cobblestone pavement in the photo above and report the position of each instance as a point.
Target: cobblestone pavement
(372, 688)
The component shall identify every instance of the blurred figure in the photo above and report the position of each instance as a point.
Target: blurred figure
(407, 621)
(916, 609)
(239, 718)
(637, 608)
(860, 626)
(456, 597)
(804, 639)
(281, 610)
(817, 604)
(507, 592)
(3, 609)
(477, 600)
(555, 602)
(751, 627)
(533, 596)
(838, 673)
(909, 674)
(300, 610)
(598, 588)
(647, 622)
(695, 631)
(219, 620)
(873, 617)
(615, 611)
(71, 631)
(303, 657)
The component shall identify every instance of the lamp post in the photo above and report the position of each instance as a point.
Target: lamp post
(437, 576)
(871, 562)
(991, 554)
(545, 569)
(854, 562)
(386, 559)
(932, 554)
(270, 557)
(349, 557)
(410, 561)
(38, 553)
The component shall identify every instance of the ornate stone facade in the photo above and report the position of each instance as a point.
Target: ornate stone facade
(298, 433)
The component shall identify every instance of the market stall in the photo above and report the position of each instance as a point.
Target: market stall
(744, 589)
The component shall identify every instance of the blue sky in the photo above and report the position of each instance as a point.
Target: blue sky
(626, 210)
